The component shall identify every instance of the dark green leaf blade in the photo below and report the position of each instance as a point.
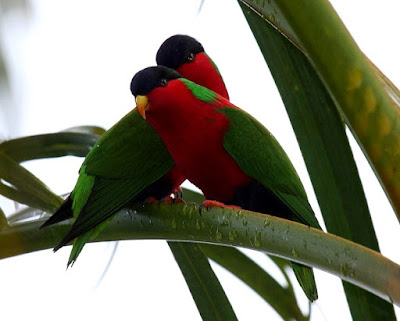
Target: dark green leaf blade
(282, 264)
(91, 130)
(369, 108)
(280, 298)
(206, 290)
(29, 185)
(49, 145)
(320, 133)
(3, 220)
(29, 199)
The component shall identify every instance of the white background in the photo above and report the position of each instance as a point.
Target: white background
(71, 63)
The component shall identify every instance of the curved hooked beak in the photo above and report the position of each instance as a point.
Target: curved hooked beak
(142, 104)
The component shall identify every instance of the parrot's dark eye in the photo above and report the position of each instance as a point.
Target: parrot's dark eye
(191, 56)
(151, 78)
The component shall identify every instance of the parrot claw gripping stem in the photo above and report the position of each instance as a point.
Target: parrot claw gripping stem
(176, 197)
(171, 200)
(178, 194)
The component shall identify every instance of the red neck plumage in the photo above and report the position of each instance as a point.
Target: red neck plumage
(193, 132)
(203, 72)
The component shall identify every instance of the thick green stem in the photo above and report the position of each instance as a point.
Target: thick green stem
(320, 132)
(182, 222)
(353, 83)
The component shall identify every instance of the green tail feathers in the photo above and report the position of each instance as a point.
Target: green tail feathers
(77, 247)
(84, 238)
(305, 277)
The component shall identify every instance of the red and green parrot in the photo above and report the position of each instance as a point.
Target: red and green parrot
(129, 163)
(224, 151)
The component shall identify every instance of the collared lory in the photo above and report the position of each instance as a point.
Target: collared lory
(124, 164)
(122, 167)
(224, 151)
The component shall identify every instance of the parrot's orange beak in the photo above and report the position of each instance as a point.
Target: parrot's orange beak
(142, 104)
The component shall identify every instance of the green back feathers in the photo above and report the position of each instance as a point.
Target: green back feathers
(261, 157)
(200, 92)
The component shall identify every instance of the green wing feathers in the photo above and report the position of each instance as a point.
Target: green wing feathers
(123, 151)
(114, 172)
(80, 241)
(82, 191)
(261, 157)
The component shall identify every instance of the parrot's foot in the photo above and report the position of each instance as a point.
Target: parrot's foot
(165, 200)
(176, 197)
(178, 201)
(211, 203)
(172, 200)
(178, 194)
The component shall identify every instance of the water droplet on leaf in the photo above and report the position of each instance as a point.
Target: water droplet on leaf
(257, 239)
(218, 235)
(271, 18)
(198, 225)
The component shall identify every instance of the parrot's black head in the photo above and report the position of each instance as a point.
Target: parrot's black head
(177, 50)
(150, 78)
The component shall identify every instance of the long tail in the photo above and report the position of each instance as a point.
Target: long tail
(62, 214)
(305, 276)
